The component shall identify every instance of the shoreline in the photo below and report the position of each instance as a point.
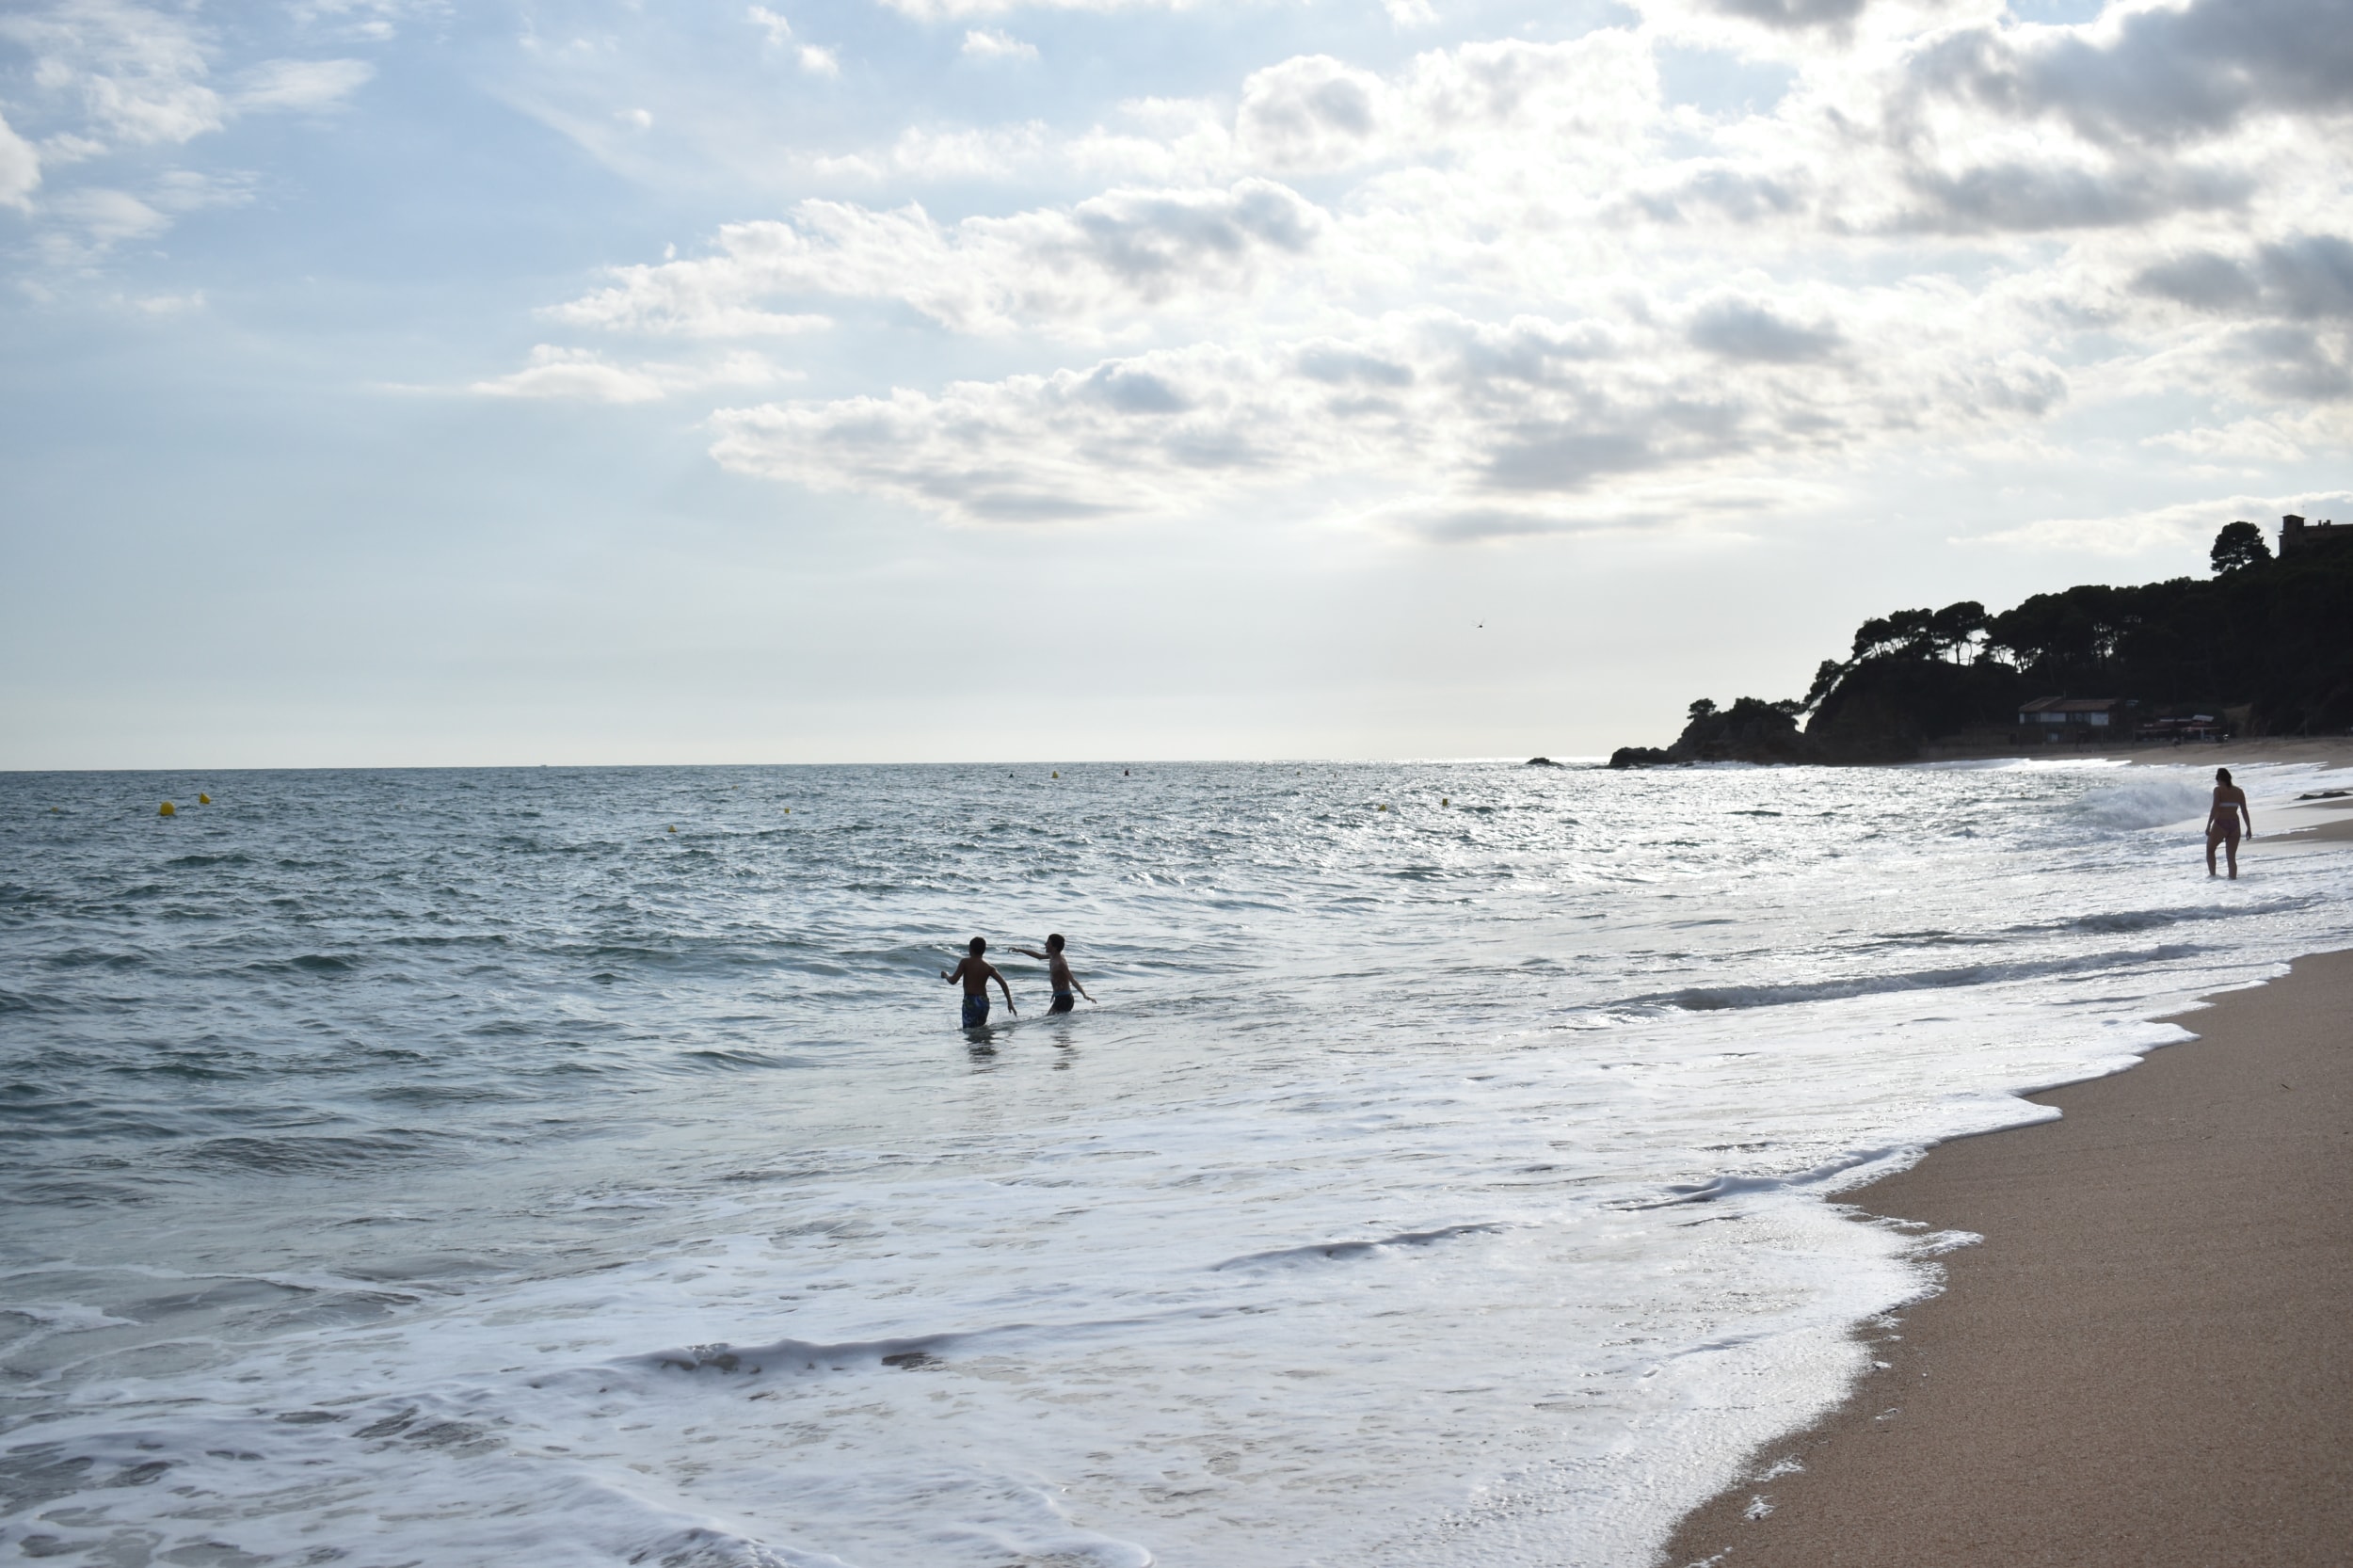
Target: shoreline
(2147, 1361)
(2328, 751)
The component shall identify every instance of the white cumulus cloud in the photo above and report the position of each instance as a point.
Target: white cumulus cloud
(1117, 252)
(581, 374)
(1467, 428)
(988, 43)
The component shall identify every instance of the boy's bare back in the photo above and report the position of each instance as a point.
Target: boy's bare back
(976, 974)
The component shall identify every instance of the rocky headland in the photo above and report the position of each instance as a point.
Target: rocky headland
(2268, 642)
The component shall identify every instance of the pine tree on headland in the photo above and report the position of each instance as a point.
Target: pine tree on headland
(2239, 545)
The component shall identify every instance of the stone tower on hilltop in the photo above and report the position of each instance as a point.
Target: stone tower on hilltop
(2296, 536)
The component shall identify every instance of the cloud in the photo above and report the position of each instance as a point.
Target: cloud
(377, 20)
(300, 84)
(1792, 15)
(2247, 441)
(1443, 416)
(1628, 307)
(136, 75)
(2154, 73)
(109, 79)
(168, 304)
(1695, 193)
(958, 11)
(2303, 277)
(2155, 529)
(20, 169)
(1315, 113)
(2291, 362)
(1121, 250)
(108, 216)
(779, 31)
(581, 376)
(813, 59)
(2033, 196)
(182, 190)
(1743, 330)
(2281, 312)
(988, 44)
(1310, 112)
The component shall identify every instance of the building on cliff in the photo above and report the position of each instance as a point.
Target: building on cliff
(2297, 538)
(2076, 718)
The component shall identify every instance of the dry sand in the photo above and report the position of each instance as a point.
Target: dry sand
(2147, 1363)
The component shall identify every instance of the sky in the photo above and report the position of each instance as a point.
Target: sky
(423, 382)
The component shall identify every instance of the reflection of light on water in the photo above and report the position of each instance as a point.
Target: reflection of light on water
(505, 1175)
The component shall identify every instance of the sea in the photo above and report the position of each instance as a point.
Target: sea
(562, 1166)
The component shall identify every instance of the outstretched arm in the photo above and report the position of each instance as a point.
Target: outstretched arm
(1027, 953)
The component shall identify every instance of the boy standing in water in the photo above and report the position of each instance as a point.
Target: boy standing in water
(1058, 973)
(976, 972)
(2222, 819)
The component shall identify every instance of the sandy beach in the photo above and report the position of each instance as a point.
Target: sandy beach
(2148, 1360)
(2328, 751)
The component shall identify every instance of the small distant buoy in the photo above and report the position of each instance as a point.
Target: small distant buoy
(1123, 773)
(674, 829)
(1381, 807)
(788, 811)
(1443, 801)
(165, 809)
(204, 799)
(1057, 776)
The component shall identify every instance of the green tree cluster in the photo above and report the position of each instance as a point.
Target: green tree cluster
(2273, 635)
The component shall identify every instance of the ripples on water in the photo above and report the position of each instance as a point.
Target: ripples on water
(464, 1167)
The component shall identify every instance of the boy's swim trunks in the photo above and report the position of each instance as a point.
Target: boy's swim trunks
(1064, 1002)
(975, 1012)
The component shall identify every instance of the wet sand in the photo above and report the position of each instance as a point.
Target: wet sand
(2302, 821)
(2147, 1363)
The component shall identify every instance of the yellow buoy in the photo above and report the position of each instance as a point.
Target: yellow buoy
(674, 829)
(166, 811)
(204, 799)
(1380, 808)
(1443, 801)
(788, 811)
(1057, 776)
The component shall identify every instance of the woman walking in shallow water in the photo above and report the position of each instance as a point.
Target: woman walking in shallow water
(2222, 819)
